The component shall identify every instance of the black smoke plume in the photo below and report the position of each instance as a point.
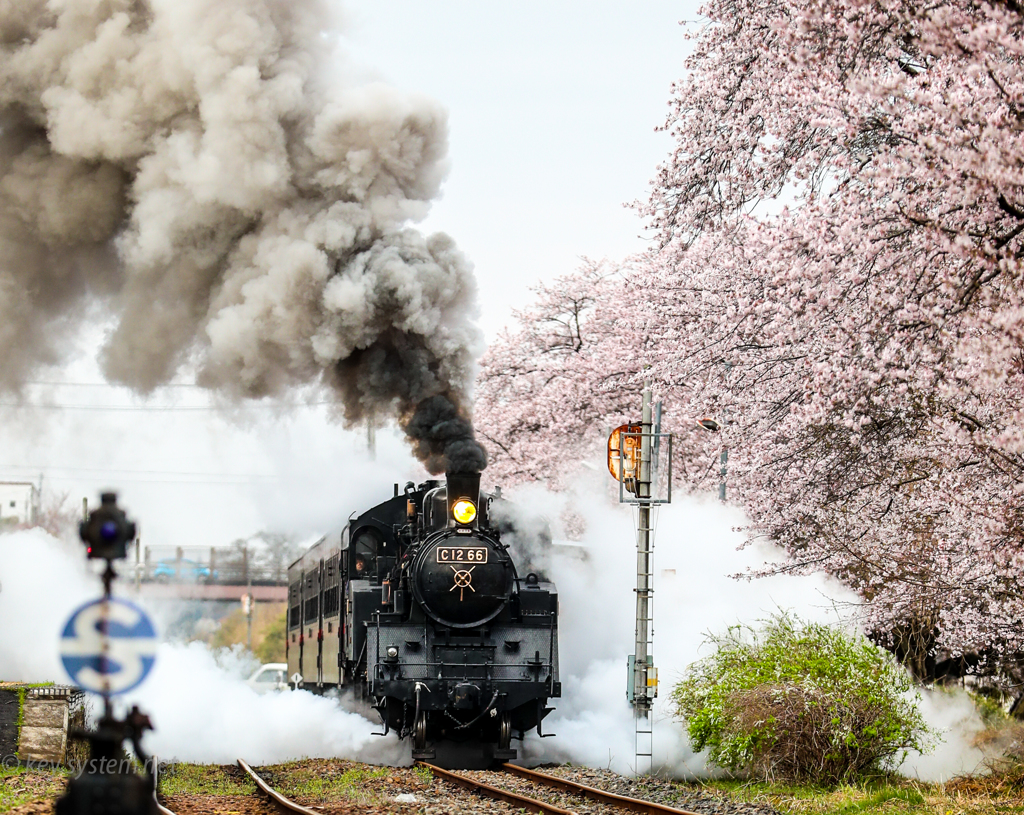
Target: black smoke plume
(443, 439)
(214, 175)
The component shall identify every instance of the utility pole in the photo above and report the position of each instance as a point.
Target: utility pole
(248, 606)
(725, 450)
(722, 473)
(248, 602)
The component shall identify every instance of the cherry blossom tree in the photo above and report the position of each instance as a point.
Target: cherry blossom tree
(838, 280)
(545, 393)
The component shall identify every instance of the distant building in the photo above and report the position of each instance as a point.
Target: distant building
(19, 503)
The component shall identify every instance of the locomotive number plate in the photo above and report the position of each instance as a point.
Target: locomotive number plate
(461, 554)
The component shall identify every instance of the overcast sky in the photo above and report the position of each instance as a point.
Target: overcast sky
(553, 109)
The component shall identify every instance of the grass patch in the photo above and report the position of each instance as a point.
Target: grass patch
(902, 799)
(204, 779)
(890, 795)
(326, 784)
(424, 774)
(20, 786)
(313, 782)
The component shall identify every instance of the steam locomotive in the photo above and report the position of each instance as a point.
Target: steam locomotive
(418, 607)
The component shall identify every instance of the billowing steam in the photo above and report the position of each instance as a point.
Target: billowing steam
(696, 551)
(210, 172)
(189, 683)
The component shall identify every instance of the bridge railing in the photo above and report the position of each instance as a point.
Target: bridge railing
(215, 565)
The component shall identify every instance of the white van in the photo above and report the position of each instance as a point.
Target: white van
(272, 676)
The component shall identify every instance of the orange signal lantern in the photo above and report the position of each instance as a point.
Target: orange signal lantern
(624, 454)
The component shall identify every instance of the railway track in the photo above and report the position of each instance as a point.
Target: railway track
(497, 793)
(156, 786)
(523, 789)
(161, 808)
(284, 805)
(544, 782)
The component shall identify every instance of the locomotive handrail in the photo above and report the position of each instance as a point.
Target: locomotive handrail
(551, 644)
(546, 669)
(528, 665)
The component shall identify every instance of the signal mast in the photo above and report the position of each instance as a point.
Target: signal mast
(634, 458)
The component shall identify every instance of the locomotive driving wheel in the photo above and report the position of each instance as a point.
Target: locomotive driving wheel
(505, 732)
(419, 732)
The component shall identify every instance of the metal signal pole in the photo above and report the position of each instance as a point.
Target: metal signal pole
(636, 452)
(643, 699)
(643, 562)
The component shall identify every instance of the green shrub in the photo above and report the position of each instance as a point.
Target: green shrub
(799, 703)
(271, 649)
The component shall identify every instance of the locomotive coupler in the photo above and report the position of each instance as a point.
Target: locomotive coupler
(465, 696)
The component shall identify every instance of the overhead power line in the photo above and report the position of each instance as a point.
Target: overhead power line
(112, 470)
(61, 384)
(188, 481)
(165, 408)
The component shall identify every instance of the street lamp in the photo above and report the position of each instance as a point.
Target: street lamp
(712, 426)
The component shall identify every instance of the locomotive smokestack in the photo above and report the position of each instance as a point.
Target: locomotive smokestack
(462, 486)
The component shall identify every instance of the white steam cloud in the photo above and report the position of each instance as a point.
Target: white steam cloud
(43, 580)
(695, 557)
(954, 717)
(204, 713)
(215, 175)
(202, 709)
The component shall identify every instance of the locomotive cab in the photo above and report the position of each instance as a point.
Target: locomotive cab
(368, 546)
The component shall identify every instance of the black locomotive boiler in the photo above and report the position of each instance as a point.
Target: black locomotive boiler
(417, 606)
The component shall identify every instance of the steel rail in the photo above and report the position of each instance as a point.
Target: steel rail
(162, 809)
(286, 805)
(634, 804)
(156, 783)
(517, 800)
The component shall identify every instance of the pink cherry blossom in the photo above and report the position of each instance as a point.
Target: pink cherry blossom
(836, 278)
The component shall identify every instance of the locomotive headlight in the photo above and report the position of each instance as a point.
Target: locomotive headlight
(392, 652)
(464, 511)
